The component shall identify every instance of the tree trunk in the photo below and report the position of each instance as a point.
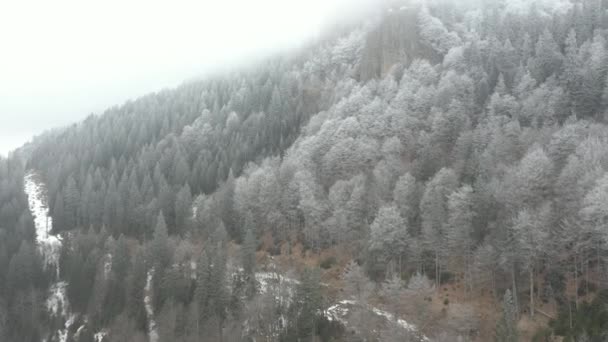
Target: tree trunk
(531, 292)
(220, 324)
(468, 284)
(576, 281)
(198, 329)
(599, 268)
(493, 283)
(437, 279)
(400, 265)
(570, 312)
(514, 285)
(587, 277)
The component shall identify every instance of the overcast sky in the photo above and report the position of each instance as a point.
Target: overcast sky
(64, 59)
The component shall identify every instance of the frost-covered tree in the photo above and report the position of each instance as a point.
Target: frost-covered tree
(434, 212)
(406, 195)
(506, 329)
(356, 282)
(595, 214)
(160, 250)
(392, 289)
(388, 241)
(460, 229)
(548, 58)
(183, 209)
(433, 32)
(531, 179)
(470, 137)
(530, 232)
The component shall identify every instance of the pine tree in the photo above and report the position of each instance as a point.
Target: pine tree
(572, 63)
(391, 291)
(460, 229)
(72, 203)
(136, 282)
(548, 58)
(24, 270)
(229, 213)
(307, 304)
(201, 293)
(59, 216)
(218, 292)
(506, 329)
(595, 215)
(407, 198)
(434, 211)
(530, 230)
(183, 209)
(389, 240)
(160, 243)
(248, 256)
(356, 282)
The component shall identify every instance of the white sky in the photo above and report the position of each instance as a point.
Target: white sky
(61, 60)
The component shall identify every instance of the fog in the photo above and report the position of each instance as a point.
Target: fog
(62, 60)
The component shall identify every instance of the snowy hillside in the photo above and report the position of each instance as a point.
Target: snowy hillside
(49, 247)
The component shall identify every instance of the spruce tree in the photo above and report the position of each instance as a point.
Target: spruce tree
(248, 256)
(506, 329)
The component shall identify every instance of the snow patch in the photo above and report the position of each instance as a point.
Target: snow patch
(98, 337)
(339, 313)
(152, 332)
(49, 246)
(63, 333)
(282, 287)
(107, 265)
(57, 301)
(269, 281)
(193, 270)
(402, 323)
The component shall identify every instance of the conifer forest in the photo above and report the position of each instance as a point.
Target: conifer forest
(431, 171)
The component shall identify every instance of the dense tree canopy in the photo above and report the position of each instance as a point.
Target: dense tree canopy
(464, 139)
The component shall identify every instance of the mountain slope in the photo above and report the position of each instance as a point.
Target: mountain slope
(442, 163)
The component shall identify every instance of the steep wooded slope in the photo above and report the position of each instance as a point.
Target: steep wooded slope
(440, 143)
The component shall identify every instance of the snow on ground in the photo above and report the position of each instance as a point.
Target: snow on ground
(57, 301)
(339, 312)
(152, 333)
(193, 270)
(402, 323)
(282, 287)
(266, 279)
(98, 337)
(270, 281)
(58, 305)
(107, 265)
(63, 333)
(48, 245)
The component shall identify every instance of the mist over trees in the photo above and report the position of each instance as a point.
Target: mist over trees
(439, 143)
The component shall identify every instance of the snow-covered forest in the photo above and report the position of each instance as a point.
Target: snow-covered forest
(436, 171)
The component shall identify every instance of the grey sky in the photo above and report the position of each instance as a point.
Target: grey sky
(62, 60)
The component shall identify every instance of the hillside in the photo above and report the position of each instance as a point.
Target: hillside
(435, 171)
